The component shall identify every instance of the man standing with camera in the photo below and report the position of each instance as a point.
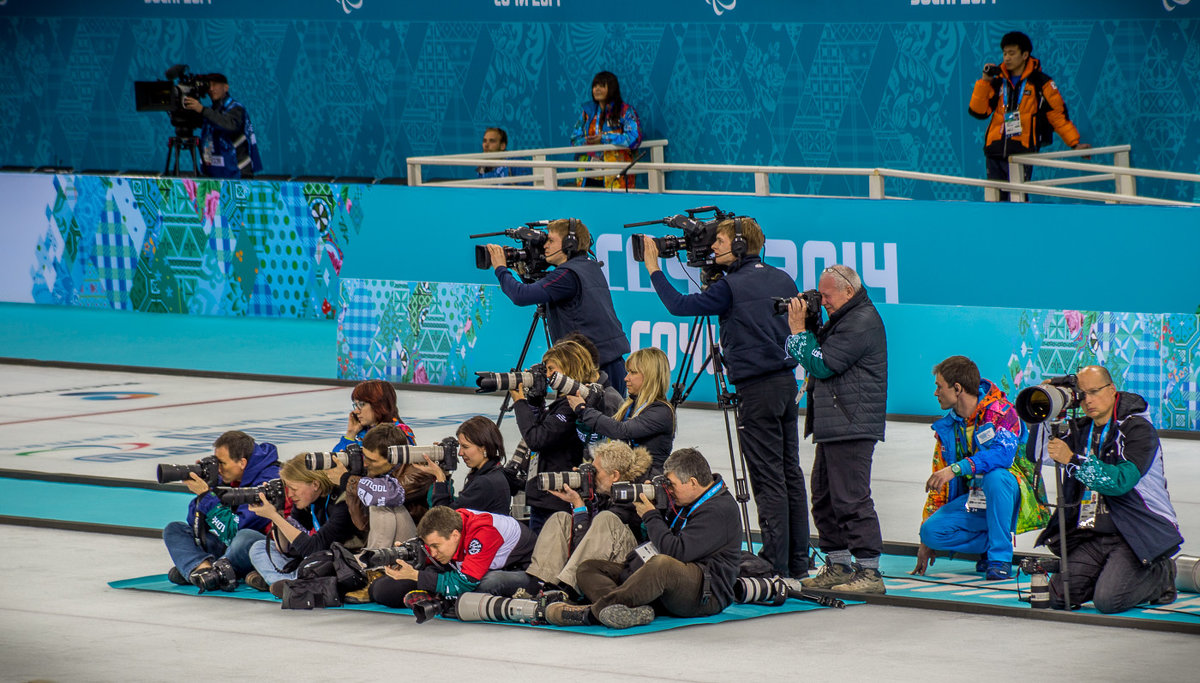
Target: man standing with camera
(1121, 527)
(212, 549)
(752, 339)
(576, 295)
(689, 567)
(1024, 106)
(227, 142)
(846, 364)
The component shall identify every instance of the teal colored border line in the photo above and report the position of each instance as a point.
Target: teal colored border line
(110, 505)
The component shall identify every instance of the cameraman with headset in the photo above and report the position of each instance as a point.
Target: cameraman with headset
(215, 533)
(227, 141)
(575, 293)
(752, 339)
(1121, 527)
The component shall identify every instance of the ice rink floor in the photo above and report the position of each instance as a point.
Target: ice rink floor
(59, 620)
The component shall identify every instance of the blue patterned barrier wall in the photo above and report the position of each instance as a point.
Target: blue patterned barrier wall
(356, 86)
(441, 333)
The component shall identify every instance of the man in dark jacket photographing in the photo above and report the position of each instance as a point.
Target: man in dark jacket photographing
(689, 570)
(846, 363)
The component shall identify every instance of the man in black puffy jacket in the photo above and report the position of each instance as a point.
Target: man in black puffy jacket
(846, 363)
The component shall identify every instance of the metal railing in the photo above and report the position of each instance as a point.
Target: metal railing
(546, 173)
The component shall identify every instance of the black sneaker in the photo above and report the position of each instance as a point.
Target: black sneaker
(176, 577)
(1170, 592)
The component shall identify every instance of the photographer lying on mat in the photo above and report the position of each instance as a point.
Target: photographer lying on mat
(212, 549)
(687, 570)
(462, 551)
(1121, 527)
(318, 518)
(981, 478)
(601, 525)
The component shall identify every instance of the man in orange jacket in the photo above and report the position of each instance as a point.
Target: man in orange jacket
(1024, 108)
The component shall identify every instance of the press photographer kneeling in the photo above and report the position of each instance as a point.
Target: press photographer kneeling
(1121, 527)
(212, 549)
(689, 571)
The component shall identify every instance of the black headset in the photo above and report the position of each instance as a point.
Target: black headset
(738, 246)
(570, 241)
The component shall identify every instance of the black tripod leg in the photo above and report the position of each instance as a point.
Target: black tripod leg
(170, 146)
(539, 314)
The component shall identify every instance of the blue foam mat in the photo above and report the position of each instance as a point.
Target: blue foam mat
(158, 583)
(955, 580)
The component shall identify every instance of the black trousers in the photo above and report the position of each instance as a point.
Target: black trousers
(842, 507)
(997, 169)
(1104, 570)
(670, 586)
(767, 428)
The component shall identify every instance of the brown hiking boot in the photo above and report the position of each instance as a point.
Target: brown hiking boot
(829, 576)
(865, 581)
(563, 614)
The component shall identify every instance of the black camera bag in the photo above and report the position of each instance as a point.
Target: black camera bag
(311, 593)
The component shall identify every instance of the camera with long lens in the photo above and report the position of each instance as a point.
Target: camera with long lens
(812, 299)
(168, 96)
(220, 574)
(351, 459)
(205, 468)
(487, 607)
(656, 490)
(1039, 570)
(248, 495)
(582, 480)
(533, 381)
(426, 605)
(592, 394)
(529, 261)
(411, 552)
(516, 470)
(444, 453)
(1049, 402)
(775, 591)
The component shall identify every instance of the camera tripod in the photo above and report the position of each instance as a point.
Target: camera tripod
(175, 145)
(702, 326)
(539, 316)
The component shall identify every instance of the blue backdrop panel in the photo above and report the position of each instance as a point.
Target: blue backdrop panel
(355, 86)
(441, 333)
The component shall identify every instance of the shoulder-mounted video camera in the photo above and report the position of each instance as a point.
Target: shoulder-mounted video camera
(696, 241)
(168, 96)
(529, 261)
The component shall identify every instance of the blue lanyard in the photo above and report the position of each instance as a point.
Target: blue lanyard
(317, 522)
(1103, 431)
(712, 491)
(1018, 92)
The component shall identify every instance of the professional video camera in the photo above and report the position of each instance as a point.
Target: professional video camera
(812, 298)
(533, 381)
(205, 468)
(529, 261)
(657, 491)
(444, 453)
(582, 480)
(168, 96)
(1049, 402)
(696, 242)
(411, 552)
(351, 458)
(248, 495)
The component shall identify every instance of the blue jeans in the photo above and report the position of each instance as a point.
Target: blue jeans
(956, 529)
(187, 555)
(270, 564)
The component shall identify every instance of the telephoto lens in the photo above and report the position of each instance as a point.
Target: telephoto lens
(760, 591)
(486, 607)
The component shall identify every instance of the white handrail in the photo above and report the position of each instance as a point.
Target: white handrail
(656, 169)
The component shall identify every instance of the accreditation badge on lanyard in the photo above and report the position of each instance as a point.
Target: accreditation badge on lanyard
(1091, 504)
(976, 499)
(1012, 116)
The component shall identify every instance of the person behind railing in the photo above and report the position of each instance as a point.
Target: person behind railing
(494, 140)
(607, 120)
(227, 143)
(1023, 106)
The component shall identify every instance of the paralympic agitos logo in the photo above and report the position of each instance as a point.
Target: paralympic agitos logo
(720, 8)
